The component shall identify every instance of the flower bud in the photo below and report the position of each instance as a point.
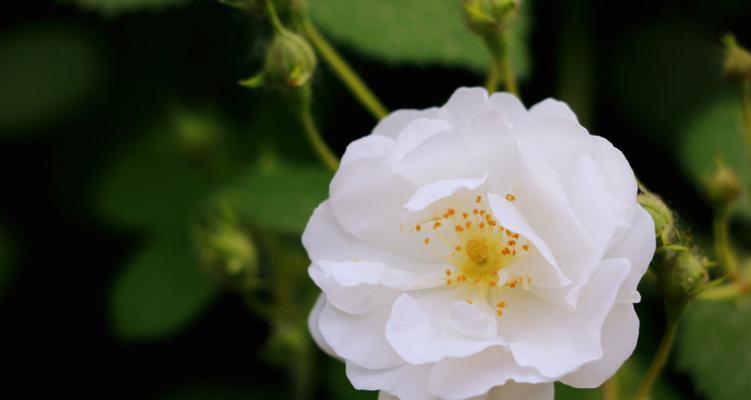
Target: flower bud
(290, 61)
(489, 16)
(722, 187)
(226, 251)
(737, 63)
(682, 276)
(661, 215)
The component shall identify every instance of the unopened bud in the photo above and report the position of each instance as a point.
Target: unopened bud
(661, 215)
(722, 187)
(290, 62)
(489, 16)
(682, 277)
(226, 251)
(737, 63)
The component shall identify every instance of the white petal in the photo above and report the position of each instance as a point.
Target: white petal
(429, 194)
(618, 174)
(407, 382)
(393, 124)
(552, 107)
(414, 134)
(639, 247)
(423, 336)
(461, 378)
(556, 341)
(466, 101)
(513, 391)
(512, 110)
(368, 147)
(619, 336)
(385, 396)
(314, 329)
(358, 338)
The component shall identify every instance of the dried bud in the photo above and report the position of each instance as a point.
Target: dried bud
(737, 63)
(489, 16)
(661, 214)
(682, 276)
(722, 187)
(226, 251)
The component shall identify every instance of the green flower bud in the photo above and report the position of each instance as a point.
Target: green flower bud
(226, 251)
(290, 61)
(661, 215)
(737, 63)
(722, 187)
(489, 16)
(682, 277)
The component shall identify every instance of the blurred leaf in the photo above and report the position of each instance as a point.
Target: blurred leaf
(716, 131)
(46, 73)
(282, 198)
(416, 32)
(663, 72)
(713, 348)
(217, 391)
(160, 290)
(113, 7)
(6, 261)
(152, 182)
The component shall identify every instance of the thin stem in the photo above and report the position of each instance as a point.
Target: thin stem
(745, 95)
(500, 64)
(723, 292)
(660, 359)
(724, 250)
(314, 136)
(275, 21)
(354, 83)
(610, 389)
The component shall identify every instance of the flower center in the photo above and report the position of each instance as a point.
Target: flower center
(479, 248)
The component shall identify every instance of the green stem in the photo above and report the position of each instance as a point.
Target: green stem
(745, 95)
(660, 359)
(347, 75)
(610, 389)
(724, 250)
(275, 21)
(723, 292)
(311, 132)
(500, 64)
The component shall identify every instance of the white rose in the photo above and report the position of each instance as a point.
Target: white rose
(479, 250)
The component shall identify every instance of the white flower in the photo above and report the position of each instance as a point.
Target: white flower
(479, 250)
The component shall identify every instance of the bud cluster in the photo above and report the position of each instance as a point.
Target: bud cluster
(737, 63)
(487, 17)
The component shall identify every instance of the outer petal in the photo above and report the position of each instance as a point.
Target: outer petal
(639, 247)
(367, 147)
(394, 123)
(619, 335)
(462, 378)
(553, 107)
(512, 391)
(358, 338)
(512, 110)
(314, 329)
(553, 340)
(407, 382)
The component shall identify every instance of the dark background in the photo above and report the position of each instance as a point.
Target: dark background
(54, 333)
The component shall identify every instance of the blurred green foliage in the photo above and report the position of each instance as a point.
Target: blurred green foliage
(47, 74)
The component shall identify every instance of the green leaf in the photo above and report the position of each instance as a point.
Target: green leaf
(713, 348)
(716, 131)
(153, 182)
(281, 199)
(113, 7)
(160, 290)
(416, 32)
(6, 261)
(46, 74)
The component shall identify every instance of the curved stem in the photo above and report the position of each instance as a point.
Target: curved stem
(275, 21)
(500, 66)
(724, 250)
(745, 95)
(350, 78)
(314, 136)
(610, 389)
(660, 359)
(491, 82)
